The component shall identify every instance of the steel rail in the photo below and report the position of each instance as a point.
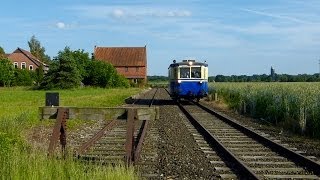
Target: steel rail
(293, 156)
(246, 171)
(142, 134)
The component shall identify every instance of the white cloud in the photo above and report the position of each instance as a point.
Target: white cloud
(274, 15)
(61, 25)
(118, 13)
(127, 12)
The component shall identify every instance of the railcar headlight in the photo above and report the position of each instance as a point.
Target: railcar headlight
(190, 63)
(200, 81)
(179, 81)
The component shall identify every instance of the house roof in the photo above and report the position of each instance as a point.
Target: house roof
(122, 56)
(18, 53)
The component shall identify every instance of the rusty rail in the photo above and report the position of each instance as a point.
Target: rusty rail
(138, 149)
(142, 135)
(59, 132)
(96, 137)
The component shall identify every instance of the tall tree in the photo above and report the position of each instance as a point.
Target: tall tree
(37, 50)
(2, 53)
(63, 72)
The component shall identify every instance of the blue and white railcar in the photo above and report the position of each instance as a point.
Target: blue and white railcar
(188, 79)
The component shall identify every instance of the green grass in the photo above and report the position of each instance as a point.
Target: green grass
(294, 106)
(19, 164)
(19, 113)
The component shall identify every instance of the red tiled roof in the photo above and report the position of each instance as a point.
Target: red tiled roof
(122, 56)
(19, 53)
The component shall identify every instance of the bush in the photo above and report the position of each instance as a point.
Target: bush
(104, 75)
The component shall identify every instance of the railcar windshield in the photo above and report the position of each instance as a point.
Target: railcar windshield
(190, 72)
(195, 72)
(184, 72)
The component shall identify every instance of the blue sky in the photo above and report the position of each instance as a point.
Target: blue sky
(233, 36)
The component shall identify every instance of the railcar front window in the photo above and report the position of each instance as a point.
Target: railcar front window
(195, 72)
(185, 72)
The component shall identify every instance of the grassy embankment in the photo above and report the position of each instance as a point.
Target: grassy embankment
(19, 113)
(294, 106)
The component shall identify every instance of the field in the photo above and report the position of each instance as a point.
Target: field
(293, 106)
(19, 113)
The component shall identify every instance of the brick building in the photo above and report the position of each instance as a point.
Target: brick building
(23, 59)
(128, 61)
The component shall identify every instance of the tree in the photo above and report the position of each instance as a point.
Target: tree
(37, 50)
(2, 53)
(83, 61)
(23, 77)
(63, 72)
(7, 72)
(103, 74)
(39, 74)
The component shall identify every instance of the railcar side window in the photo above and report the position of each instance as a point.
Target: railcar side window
(184, 72)
(195, 72)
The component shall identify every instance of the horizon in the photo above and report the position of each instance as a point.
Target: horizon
(235, 37)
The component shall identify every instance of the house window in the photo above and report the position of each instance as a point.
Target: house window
(137, 69)
(126, 69)
(15, 64)
(30, 67)
(23, 65)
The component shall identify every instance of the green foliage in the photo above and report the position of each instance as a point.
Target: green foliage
(2, 53)
(158, 78)
(71, 68)
(63, 72)
(19, 113)
(6, 72)
(37, 50)
(285, 104)
(104, 75)
(23, 77)
(267, 78)
(83, 62)
(37, 166)
(39, 75)
(10, 133)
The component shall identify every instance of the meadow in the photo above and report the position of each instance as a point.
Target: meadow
(292, 106)
(19, 113)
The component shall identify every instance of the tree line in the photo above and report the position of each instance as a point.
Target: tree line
(69, 69)
(267, 78)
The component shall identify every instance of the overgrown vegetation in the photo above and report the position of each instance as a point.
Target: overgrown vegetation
(294, 106)
(19, 113)
(267, 78)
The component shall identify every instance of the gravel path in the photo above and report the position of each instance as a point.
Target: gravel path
(180, 156)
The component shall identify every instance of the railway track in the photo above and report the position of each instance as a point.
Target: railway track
(236, 152)
(111, 143)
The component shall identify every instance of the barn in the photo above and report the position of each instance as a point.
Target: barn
(131, 62)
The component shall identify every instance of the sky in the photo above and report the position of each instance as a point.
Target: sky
(235, 37)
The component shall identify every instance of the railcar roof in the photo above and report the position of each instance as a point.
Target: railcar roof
(187, 63)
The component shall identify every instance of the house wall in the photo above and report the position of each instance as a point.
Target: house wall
(20, 58)
(130, 72)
